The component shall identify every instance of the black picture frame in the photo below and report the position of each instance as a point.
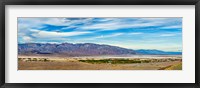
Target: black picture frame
(98, 2)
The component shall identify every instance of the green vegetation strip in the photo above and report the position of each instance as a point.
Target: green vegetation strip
(115, 61)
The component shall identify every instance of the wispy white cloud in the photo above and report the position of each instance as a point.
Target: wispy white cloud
(105, 36)
(165, 35)
(24, 23)
(51, 34)
(171, 27)
(107, 19)
(27, 39)
(119, 24)
(135, 33)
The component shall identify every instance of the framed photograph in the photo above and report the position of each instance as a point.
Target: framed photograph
(95, 43)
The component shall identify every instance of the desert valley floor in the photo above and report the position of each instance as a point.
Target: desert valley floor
(100, 63)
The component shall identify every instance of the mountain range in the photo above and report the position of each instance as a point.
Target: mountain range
(83, 49)
(156, 52)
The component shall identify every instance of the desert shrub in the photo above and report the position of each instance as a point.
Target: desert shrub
(20, 59)
(29, 59)
(34, 59)
(146, 61)
(45, 60)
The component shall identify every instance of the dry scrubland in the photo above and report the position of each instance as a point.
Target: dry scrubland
(41, 63)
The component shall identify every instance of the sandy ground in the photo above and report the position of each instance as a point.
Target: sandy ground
(76, 65)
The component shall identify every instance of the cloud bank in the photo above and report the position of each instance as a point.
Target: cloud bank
(124, 32)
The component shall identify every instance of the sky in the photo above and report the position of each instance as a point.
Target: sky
(133, 33)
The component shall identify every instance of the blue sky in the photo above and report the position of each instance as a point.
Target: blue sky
(133, 33)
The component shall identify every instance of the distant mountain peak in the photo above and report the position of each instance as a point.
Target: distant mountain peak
(83, 49)
(69, 49)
